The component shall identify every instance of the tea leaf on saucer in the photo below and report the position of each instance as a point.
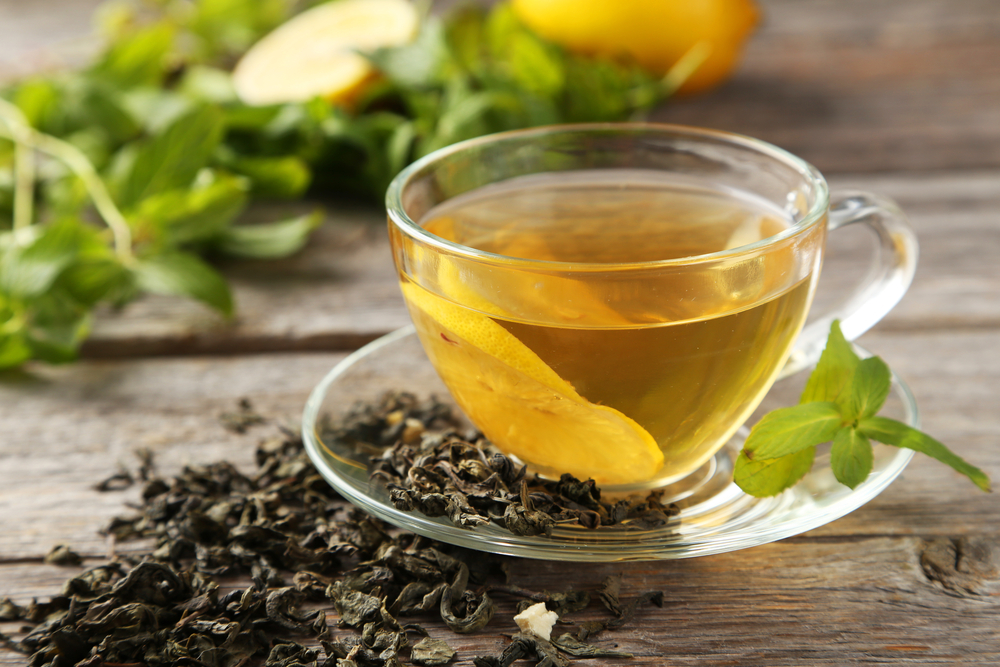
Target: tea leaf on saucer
(834, 370)
(892, 432)
(788, 430)
(771, 477)
(851, 457)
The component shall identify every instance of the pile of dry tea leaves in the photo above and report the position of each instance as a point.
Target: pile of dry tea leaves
(275, 569)
(431, 464)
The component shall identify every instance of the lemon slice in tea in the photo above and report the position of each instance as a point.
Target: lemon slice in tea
(522, 405)
(316, 54)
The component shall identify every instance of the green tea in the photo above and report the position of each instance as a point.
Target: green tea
(686, 353)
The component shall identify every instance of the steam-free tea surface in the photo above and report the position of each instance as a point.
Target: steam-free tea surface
(685, 355)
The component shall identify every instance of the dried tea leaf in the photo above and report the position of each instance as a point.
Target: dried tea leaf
(62, 555)
(445, 472)
(432, 652)
(209, 521)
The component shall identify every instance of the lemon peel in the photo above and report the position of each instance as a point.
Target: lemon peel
(522, 405)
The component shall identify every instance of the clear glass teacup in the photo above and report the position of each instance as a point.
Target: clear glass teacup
(613, 301)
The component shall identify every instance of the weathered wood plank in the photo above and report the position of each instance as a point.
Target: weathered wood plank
(43, 35)
(868, 601)
(867, 86)
(66, 428)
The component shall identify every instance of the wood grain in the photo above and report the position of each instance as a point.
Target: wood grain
(857, 86)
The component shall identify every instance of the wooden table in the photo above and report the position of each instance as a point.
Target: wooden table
(901, 97)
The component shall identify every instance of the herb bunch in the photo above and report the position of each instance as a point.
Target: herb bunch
(123, 177)
(839, 404)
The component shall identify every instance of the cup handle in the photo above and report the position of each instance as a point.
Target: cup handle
(880, 290)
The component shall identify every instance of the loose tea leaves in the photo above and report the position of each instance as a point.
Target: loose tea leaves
(431, 464)
(274, 568)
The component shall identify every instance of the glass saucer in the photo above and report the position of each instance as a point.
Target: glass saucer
(716, 516)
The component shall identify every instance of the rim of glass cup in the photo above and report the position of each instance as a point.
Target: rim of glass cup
(398, 216)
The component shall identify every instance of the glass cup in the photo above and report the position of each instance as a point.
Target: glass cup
(613, 301)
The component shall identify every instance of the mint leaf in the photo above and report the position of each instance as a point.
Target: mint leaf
(892, 432)
(851, 457)
(867, 390)
(29, 270)
(187, 215)
(93, 279)
(769, 478)
(273, 177)
(184, 274)
(833, 371)
(137, 59)
(172, 159)
(268, 241)
(417, 64)
(56, 326)
(787, 430)
(14, 350)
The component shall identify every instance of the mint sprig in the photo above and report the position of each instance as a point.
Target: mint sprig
(839, 404)
(128, 175)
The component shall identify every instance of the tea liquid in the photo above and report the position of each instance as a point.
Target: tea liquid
(689, 355)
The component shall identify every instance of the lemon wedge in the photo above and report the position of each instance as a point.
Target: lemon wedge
(316, 54)
(522, 405)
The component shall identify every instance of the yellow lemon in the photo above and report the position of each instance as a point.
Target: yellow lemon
(654, 33)
(522, 404)
(316, 54)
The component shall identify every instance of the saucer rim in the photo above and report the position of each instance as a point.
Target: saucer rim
(566, 544)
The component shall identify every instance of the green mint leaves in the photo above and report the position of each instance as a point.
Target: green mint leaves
(124, 176)
(840, 402)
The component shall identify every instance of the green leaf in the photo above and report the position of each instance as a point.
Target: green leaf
(269, 241)
(834, 370)
(892, 432)
(14, 349)
(157, 108)
(285, 177)
(102, 106)
(29, 271)
(230, 27)
(534, 65)
(868, 389)
(138, 58)
(184, 274)
(400, 146)
(40, 101)
(851, 457)
(787, 430)
(769, 478)
(186, 216)
(90, 280)
(56, 326)
(420, 63)
(172, 159)
(209, 84)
